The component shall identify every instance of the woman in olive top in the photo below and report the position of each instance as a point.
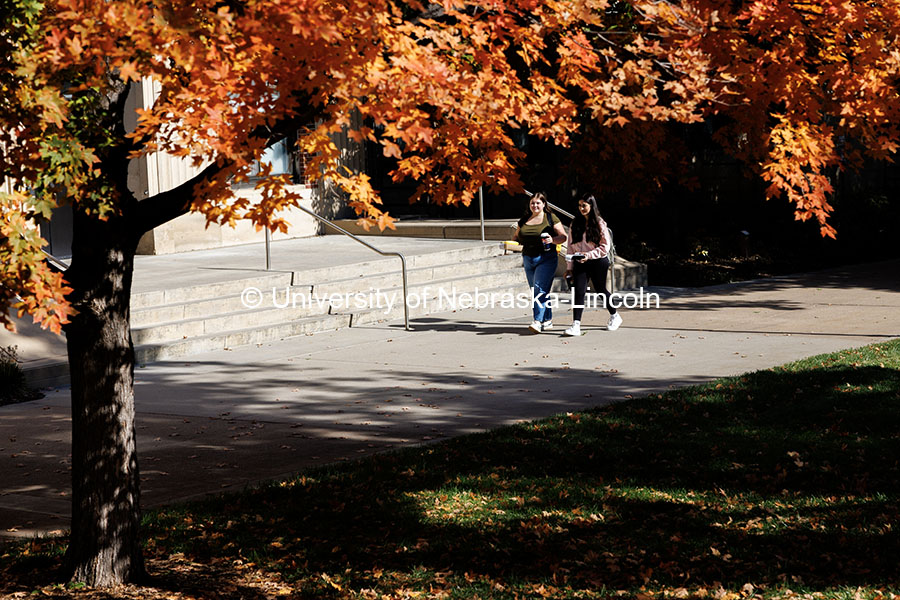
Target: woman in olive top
(589, 244)
(539, 231)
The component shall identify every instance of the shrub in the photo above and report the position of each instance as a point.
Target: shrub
(13, 387)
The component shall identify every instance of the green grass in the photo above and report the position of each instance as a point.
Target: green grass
(781, 483)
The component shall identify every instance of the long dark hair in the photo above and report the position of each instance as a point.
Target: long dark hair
(542, 196)
(588, 226)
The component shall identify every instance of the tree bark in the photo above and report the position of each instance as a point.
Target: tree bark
(104, 546)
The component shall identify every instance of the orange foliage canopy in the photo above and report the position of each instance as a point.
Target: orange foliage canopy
(806, 86)
(817, 87)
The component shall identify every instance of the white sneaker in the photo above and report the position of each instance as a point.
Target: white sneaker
(614, 322)
(574, 330)
(546, 325)
(535, 326)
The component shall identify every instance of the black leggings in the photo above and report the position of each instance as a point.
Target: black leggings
(596, 270)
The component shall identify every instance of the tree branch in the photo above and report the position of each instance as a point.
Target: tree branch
(176, 202)
(171, 204)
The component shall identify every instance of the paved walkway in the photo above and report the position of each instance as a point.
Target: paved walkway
(226, 419)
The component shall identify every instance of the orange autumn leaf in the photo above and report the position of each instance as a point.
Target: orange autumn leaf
(805, 87)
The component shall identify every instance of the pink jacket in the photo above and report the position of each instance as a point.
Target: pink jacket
(589, 249)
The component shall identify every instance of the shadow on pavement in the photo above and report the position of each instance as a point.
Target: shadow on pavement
(779, 479)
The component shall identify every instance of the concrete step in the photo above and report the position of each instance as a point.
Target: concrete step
(208, 291)
(47, 372)
(391, 264)
(420, 275)
(298, 303)
(497, 290)
(430, 298)
(165, 306)
(194, 327)
(627, 274)
(197, 302)
(448, 229)
(239, 337)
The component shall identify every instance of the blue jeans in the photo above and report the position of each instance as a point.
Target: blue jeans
(539, 270)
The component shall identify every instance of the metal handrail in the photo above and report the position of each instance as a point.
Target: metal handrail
(481, 209)
(371, 247)
(560, 210)
(56, 262)
(554, 207)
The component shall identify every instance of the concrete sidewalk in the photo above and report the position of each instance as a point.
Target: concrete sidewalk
(227, 419)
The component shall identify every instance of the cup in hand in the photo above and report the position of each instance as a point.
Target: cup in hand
(547, 240)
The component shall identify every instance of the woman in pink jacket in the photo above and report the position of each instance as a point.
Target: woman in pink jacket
(589, 242)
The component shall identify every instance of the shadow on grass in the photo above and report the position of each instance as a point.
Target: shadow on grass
(782, 477)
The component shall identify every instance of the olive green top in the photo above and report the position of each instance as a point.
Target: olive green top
(530, 236)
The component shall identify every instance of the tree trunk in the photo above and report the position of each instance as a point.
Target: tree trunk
(104, 546)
